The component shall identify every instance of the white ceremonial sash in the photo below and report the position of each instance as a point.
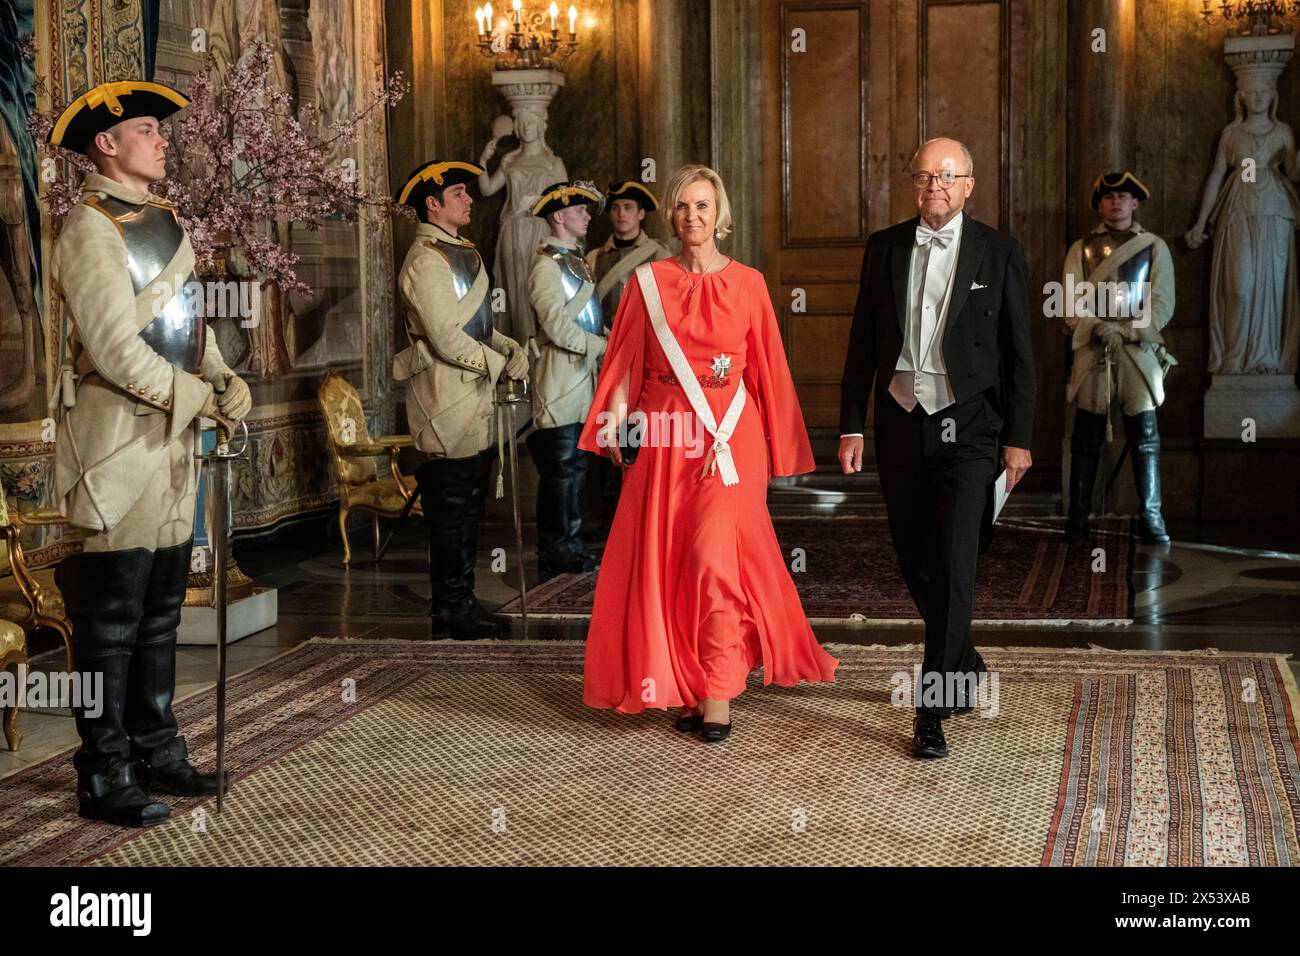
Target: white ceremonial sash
(719, 455)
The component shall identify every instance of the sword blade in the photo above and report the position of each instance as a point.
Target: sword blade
(519, 527)
(218, 541)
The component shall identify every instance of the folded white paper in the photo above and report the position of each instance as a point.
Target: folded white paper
(1000, 494)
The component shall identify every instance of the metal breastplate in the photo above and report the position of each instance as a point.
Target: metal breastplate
(152, 235)
(465, 264)
(1123, 296)
(574, 272)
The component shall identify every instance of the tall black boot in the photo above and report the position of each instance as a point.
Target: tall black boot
(447, 492)
(1144, 440)
(469, 541)
(559, 500)
(1085, 450)
(575, 467)
(103, 596)
(160, 753)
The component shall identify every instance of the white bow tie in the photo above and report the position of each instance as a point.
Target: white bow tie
(925, 235)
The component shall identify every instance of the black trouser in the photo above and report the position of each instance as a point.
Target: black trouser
(451, 495)
(561, 486)
(125, 607)
(935, 491)
(609, 477)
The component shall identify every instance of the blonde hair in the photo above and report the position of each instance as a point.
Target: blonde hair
(694, 173)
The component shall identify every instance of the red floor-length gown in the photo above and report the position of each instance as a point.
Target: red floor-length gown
(693, 591)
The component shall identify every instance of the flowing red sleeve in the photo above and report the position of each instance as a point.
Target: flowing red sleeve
(622, 369)
(768, 382)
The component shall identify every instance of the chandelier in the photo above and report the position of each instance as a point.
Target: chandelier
(1255, 16)
(526, 41)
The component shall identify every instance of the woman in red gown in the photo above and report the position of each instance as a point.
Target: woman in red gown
(693, 591)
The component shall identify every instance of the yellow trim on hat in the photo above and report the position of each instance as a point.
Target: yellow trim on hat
(563, 194)
(633, 184)
(110, 94)
(1126, 177)
(435, 171)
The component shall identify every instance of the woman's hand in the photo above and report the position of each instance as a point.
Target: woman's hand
(1196, 235)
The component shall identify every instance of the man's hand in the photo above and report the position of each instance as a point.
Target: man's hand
(1017, 461)
(1111, 335)
(236, 401)
(517, 364)
(212, 409)
(851, 453)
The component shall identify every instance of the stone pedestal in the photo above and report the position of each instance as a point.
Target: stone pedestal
(1272, 402)
(245, 616)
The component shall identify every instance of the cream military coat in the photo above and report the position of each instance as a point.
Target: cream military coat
(124, 455)
(644, 249)
(564, 376)
(451, 376)
(1136, 375)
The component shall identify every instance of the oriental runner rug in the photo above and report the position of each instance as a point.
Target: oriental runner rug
(845, 570)
(396, 752)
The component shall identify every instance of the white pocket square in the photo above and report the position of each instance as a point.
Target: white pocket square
(976, 285)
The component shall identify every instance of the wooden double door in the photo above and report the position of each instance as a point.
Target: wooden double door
(850, 88)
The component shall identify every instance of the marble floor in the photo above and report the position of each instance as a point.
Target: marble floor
(1226, 586)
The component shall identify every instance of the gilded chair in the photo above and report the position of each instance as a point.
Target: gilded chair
(13, 657)
(354, 452)
(29, 599)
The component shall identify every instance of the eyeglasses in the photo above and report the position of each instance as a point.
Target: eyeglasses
(944, 179)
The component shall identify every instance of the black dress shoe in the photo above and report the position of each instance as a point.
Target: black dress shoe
(464, 623)
(688, 723)
(927, 737)
(115, 796)
(714, 733)
(570, 562)
(440, 627)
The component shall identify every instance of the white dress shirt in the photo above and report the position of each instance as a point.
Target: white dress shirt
(920, 375)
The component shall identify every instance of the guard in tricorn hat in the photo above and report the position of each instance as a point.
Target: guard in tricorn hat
(142, 368)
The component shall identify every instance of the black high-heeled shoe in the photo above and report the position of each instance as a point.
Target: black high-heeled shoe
(714, 733)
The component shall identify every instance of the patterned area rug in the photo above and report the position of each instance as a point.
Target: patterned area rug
(1029, 575)
(383, 753)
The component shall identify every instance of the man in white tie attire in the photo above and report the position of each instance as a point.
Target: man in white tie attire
(941, 338)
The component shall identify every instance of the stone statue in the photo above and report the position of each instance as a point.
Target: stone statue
(524, 173)
(1251, 205)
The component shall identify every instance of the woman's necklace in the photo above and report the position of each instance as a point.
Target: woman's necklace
(692, 286)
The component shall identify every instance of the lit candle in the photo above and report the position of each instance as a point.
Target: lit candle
(573, 20)
(519, 6)
(555, 12)
(487, 16)
(478, 17)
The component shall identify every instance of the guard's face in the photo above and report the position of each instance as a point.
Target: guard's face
(1117, 206)
(695, 214)
(575, 219)
(456, 204)
(625, 215)
(138, 148)
(939, 200)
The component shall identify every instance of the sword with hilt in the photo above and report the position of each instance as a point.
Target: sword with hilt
(218, 499)
(515, 393)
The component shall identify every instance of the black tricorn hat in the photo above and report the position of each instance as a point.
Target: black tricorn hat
(1124, 182)
(433, 176)
(631, 189)
(559, 196)
(104, 106)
